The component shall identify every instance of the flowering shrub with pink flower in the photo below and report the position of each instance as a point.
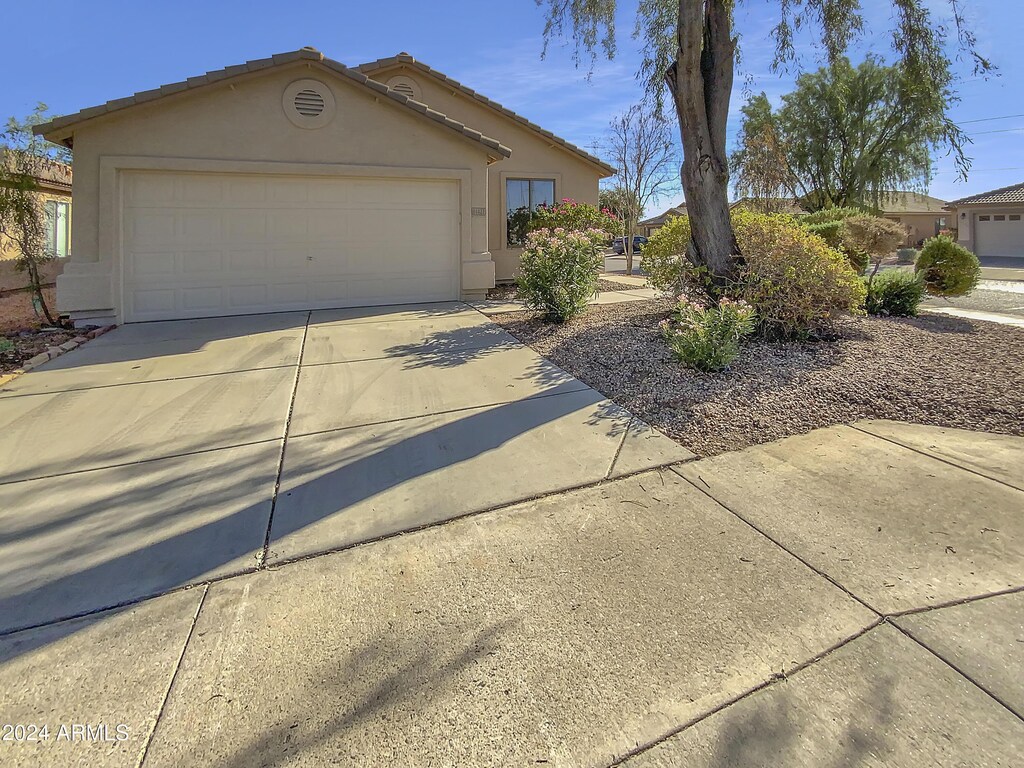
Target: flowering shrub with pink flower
(707, 336)
(575, 216)
(558, 271)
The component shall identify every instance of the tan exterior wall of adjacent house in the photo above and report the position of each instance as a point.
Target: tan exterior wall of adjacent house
(8, 250)
(533, 156)
(242, 126)
(920, 226)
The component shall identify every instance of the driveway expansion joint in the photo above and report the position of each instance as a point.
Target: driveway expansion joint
(261, 559)
(174, 675)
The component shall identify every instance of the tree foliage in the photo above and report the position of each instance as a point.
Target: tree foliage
(847, 134)
(760, 168)
(691, 47)
(24, 158)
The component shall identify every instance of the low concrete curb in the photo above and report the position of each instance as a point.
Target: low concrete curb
(53, 352)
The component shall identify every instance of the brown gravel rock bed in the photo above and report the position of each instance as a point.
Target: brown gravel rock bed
(934, 369)
(28, 344)
(510, 291)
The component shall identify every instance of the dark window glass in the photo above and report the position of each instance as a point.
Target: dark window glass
(522, 198)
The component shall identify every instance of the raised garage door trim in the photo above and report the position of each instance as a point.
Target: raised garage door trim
(200, 244)
(999, 234)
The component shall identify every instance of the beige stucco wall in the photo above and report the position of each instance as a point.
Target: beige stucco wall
(920, 226)
(242, 125)
(533, 156)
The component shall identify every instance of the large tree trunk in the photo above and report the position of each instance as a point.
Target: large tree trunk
(701, 84)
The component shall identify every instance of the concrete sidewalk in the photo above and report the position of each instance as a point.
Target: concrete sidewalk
(851, 596)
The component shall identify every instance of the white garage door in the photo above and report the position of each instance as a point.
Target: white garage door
(999, 234)
(204, 244)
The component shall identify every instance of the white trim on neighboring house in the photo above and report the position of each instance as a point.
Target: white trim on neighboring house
(112, 203)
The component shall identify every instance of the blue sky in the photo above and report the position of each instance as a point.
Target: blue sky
(80, 53)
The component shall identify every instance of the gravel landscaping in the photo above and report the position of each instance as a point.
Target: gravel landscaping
(934, 369)
(509, 291)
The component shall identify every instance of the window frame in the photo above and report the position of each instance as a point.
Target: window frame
(507, 176)
(52, 208)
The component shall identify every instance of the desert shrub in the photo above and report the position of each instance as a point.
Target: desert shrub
(795, 282)
(946, 268)
(707, 337)
(6, 345)
(872, 238)
(895, 293)
(574, 217)
(828, 225)
(558, 271)
(665, 255)
(906, 255)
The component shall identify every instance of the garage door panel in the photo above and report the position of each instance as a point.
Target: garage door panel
(208, 244)
(999, 235)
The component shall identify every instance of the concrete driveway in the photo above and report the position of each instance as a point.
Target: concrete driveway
(166, 454)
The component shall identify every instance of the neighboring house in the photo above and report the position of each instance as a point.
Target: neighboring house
(648, 227)
(54, 188)
(922, 216)
(990, 223)
(295, 182)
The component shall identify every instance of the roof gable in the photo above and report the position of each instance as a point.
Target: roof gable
(408, 60)
(901, 201)
(61, 129)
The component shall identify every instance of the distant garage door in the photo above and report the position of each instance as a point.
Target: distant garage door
(999, 234)
(203, 244)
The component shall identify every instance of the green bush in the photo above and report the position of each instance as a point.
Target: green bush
(947, 269)
(664, 260)
(895, 293)
(871, 239)
(828, 225)
(707, 338)
(558, 271)
(795, 282)
(6, 345)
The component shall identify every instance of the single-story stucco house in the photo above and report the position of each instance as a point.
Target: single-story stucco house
(922, 216)
(648, 227)
(990, 223)
(296, 182)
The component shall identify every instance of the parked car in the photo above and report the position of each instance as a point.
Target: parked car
(618, 244)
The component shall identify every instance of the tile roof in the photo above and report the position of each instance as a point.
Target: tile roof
(901, 201)
(58, 127)
(679, 210)
(409, 60)
(1013, 195)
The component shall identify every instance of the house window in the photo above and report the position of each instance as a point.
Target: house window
(58, 233)
(1014, 217)
(984, 218)
(999, 218)
(522, 198)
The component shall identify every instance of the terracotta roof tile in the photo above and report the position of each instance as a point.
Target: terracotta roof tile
(1011, 195)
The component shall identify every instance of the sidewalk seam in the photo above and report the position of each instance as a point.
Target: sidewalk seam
(933, 456)
(174, 676)
(814, 568)
(261, 559)
(773, 680)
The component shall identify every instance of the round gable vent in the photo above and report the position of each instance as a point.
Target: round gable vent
(405, 86)
(308, 103)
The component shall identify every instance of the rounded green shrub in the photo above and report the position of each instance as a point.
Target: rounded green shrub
(558, 271)
(795, 282)
(894, 293)
(664, 260)
(828, 225)
(946, 268)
